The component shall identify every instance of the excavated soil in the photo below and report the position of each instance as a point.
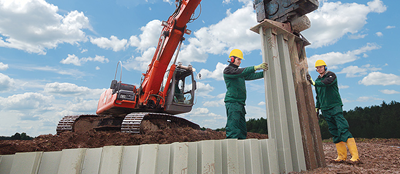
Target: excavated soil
(377, 155)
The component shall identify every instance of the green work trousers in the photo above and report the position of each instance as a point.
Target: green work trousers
(337, 124)
(236, 123)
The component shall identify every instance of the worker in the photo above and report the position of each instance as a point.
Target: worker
(235, 96)
(330, 104)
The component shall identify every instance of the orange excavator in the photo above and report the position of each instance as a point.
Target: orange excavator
(166, 89)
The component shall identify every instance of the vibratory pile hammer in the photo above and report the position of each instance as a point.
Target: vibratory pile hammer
(166, 89)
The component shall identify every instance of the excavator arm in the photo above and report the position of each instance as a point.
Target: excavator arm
(171, 36)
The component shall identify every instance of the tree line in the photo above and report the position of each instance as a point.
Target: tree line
(378, 121)
(17, 136)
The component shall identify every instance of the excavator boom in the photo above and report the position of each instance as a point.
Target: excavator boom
(123, 106)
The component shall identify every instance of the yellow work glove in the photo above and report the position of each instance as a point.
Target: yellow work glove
(310, 79)
(317, 111)
(263, 66)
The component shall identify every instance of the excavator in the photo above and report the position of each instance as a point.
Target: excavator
(166, 89)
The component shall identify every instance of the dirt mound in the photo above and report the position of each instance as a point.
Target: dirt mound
(93, 139)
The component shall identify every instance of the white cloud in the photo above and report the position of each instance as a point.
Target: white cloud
(140, 63)
(353, 71)
(113, 43)
(3, 66)
(390, 27)
(255, 112)
(336, 58)
(34, 26)
(84, 50)
(83, 106)
(97, 68)
(343, 86)
(25, 101)
(204, 89)
(332, 20)
(387, 91)
(226, 1)
(261, 103)
(220, 38)
(358, 36)
(69, 89)
(217, 74)
(6, 83)
(216, 103)
(148, 38)
(72, 59)
(71, 72)
(380, 34)
(378, 78)
(366, 99)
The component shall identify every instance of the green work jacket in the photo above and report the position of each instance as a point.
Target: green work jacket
(234, 78)
(327, 90)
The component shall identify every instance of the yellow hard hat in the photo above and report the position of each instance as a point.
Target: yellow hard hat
(320, 63)
(236, 53)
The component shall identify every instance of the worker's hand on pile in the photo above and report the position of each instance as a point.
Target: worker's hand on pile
(317, 111)
(263, 66)
(310, 79)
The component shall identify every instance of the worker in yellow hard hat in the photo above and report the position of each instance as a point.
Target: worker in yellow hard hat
(330, 104)
(235, 96)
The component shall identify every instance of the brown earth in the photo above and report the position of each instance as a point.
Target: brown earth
(377, 155)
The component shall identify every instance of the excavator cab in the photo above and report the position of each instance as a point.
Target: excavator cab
(180, 95)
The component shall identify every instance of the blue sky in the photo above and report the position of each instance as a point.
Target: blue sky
(57, 57)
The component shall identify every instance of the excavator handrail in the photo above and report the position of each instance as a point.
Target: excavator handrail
(116, 71)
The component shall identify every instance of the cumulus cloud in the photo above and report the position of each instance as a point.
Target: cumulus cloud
(113, 43)
(203, 90)
(355, 71)
(71, 72)
(3, 66)
(72, 59)
(333, 59)
(387, 91)
(139, 63)
(69, 89)
(343, 86)
(378, 78)
(202, 112)
(149, 37)
(6, 83)
(261, 103)
(220, 39)
(333, 20)
(390, 27)
(379, 34)
(255, 112)
(217, 74)
(367, 99)
(83, 106)
(215, 103)
(358, 36)
(34, 26)
(26, 101)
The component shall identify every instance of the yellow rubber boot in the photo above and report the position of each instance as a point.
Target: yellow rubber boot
(342, 151)
(351, 144)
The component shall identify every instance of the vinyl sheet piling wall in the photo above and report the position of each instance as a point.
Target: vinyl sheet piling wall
(249, 156)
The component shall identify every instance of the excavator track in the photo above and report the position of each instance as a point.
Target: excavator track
(131, 123)
(66, 123)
